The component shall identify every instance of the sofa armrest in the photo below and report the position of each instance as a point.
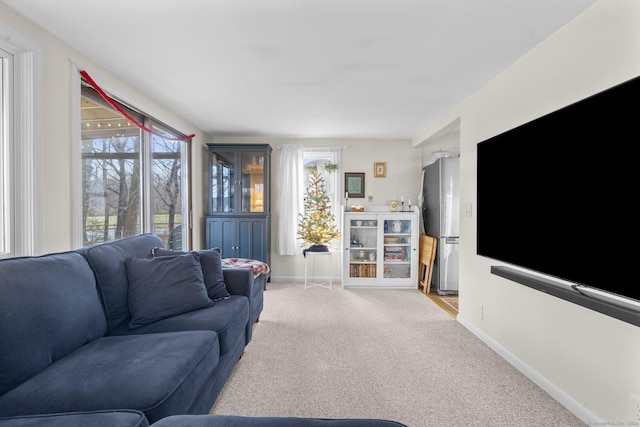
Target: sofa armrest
(239, 281)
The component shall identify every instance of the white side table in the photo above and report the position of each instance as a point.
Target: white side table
(307, 282)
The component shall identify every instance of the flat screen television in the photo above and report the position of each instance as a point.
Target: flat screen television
(557, 195)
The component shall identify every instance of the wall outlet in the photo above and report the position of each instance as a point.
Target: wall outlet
(480, 311)
(634, 409)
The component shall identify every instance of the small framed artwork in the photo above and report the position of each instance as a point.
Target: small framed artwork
(354, 184)
(380, 169)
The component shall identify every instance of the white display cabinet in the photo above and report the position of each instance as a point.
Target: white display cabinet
(380, 248)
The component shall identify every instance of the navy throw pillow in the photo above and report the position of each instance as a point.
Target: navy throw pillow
(211, 263)
(164, 287)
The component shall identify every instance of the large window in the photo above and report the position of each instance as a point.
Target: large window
(132, 181)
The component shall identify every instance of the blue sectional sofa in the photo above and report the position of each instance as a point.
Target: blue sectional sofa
(130, 418)
(111, 327)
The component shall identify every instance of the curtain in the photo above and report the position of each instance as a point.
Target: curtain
(291, 188)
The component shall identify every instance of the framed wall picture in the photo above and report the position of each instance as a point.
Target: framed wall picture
(354, 184)
(380, 169)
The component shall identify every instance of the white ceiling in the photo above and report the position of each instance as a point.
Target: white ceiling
(304, 68)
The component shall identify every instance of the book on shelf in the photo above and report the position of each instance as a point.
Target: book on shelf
(362, 270)
(395, 253)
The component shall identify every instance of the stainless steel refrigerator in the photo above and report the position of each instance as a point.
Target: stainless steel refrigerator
(441, 216)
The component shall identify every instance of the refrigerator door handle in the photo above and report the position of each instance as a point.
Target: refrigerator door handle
(452, 240)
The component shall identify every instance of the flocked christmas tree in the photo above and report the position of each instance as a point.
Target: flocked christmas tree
(317, 226)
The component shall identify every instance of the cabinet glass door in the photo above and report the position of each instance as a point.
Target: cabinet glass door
(397, 248)
(222, 181)
(363, 247)
(252, 181)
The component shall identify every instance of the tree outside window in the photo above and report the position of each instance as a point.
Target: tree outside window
(132, 182)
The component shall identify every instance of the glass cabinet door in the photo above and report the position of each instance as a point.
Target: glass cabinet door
(237, 181)
(397, 247)
(222, 185)
(363, 247)
(252, 181)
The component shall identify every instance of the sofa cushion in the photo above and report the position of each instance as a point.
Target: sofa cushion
(163, 287)
(229, 318)
(243, 421)
(107, 261)
(49, 307)
(120, 418)
(211, 269)
(158, 374)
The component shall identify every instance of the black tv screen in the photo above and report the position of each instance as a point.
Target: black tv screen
(557, 195)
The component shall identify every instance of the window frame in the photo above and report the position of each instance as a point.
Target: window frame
(21, 161)
(6, 129)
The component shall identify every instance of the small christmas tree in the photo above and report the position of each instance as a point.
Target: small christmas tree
(317, 226)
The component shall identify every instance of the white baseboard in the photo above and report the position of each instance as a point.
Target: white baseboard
(541, 381)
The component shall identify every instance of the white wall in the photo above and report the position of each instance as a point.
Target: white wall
(403, 179)
(588, 361)
(58, 153)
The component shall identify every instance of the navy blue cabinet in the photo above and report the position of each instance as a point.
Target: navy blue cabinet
(241, 237)
(239, 219)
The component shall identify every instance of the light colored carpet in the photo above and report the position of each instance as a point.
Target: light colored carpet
(376, 353)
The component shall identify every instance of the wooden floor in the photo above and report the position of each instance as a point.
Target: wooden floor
(448, 303)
